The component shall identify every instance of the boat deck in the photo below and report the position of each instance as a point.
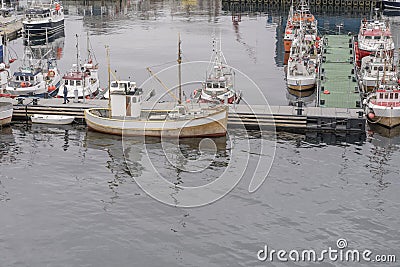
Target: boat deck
(337, 77)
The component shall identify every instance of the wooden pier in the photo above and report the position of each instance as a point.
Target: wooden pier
(282, 118)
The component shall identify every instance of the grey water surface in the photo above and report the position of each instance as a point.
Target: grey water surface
(68, 196)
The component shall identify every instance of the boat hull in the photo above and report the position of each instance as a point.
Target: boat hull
(6, 111)
(40, 30)
(52, 119)
(391, 5)
(213, 126)
(386, 116)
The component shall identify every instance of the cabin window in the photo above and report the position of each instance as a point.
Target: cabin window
(368, 37)
(31, 78)
(133, 100)
(377, 37)
(114, 85)
(66, 82)
(215, 85)
(78, 83)
(391, 95)
(209, 85)
(396, 96)
(72, 83)
(17, 78)
(375, 68)
(222, 85)
(381, 95)
(386, 95)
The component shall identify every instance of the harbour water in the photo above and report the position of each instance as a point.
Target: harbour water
(70, 197)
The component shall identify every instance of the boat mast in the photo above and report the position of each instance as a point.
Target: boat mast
(109, 80)
(77, 54)
(179, 70)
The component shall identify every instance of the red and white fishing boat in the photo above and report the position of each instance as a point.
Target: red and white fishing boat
(383, 106)
(219, 84)
(373, 35)
(81, 81)
(301, 16)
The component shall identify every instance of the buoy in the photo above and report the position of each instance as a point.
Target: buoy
(326, 92)
(51, 88)
(195, 92)
(187, 100)
(371, 115)
(51, 73)
(23, 84)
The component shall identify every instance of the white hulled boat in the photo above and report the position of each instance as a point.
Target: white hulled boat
(372, 36)
(219, 84)
(126, 116)
(301, 68)
(374, 69)
(383, 106)
(82, 81)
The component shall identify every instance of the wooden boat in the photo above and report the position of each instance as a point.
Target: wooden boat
(82, 80)
(6, 111)
(373, 35)
(43, 21)
(383, 106)
(126, 116)
(219, 84)
(52, 119)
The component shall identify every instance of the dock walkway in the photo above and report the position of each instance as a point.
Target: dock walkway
(287, 118)
(337, 75)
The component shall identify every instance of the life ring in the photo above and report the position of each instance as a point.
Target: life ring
(24, 84)
(51, 73)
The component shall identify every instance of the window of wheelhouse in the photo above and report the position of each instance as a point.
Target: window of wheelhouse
(78, 83)
(391, 95)
(386, 95)
(396, 95)
(381, 95)
(209, 85)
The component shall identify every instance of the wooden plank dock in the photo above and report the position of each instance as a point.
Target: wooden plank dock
(338, 77)
(285, 118)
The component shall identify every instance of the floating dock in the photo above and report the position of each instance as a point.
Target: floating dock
(338, 84)
(285, 118)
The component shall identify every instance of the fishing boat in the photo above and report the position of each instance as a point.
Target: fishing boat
(383, 106)
(372, 36)
(119, 85)
(82, 80)
(375, 68)
(301, 15)
(43, 20)
(6, 111)
(391, 4)
(31, 79)
(127, 117)
(219, 84)
(301, 68)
